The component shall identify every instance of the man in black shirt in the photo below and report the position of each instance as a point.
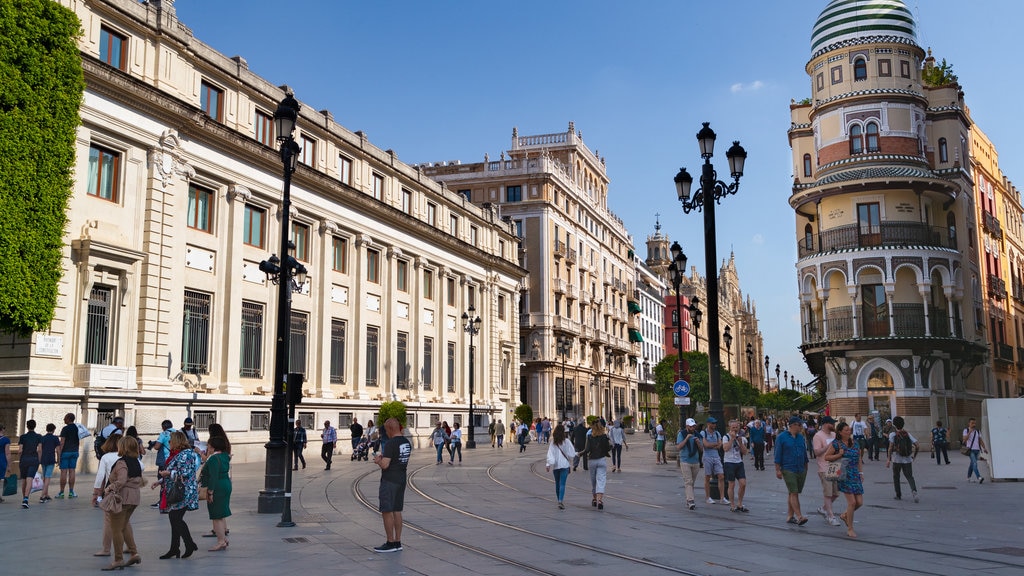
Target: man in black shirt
(31, 449)
(68, 455)
(357, 433)
(393, 461)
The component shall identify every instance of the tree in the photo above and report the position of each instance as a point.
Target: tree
(524, 413)
(939, 75)
(41, 88)
(393, 409)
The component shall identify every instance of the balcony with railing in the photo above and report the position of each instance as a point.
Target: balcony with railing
(1020, 356)
(574, 292)
(885, 235)
(559, 249)
(908, 321)
(991, 224)
(559, 285)
(1004, 353)
(570, 256)
(996, 287)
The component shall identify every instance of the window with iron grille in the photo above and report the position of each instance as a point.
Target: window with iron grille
(251, 365)
(195, 333)
(344, 419)
(97, 326)
(307, 419)
(456, 419)
(259, 420)
(410, 420)
(104, 416)
(434, 419)
(451, 366)
(203, 418)
(337, 351)
(402, 361)
(297, 335)
(428, 363)
(372, 339)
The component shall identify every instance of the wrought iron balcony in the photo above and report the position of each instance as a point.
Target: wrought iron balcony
(908, 321)
(991, 224)
(886, 235)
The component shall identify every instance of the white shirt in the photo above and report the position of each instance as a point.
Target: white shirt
(858, 428)
(106, 463)
(456, 435)
(972, 439)
(732, 452)
(895, 455)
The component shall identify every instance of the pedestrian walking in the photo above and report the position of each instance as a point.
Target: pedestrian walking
(70, 439)
(393, 461)
(874, 439)
(735, 447)
(860, 430)
(618, 438)
(756, 431)
(559, 461)
(904, 448)
(106, 463)
(5, 453)
(598, 448)
(523, 436)
(711, 439)
(499, 431)
(940, 443)
(688, 446)
(31, 444)
(298, 445)
(829, 488)
(48, 458)
(356, 431)
(851, 484)
(438, 438)
(974, 443)
(659, 442)
(791, 467)
(579, 442)
(491, 432)
(329, 437)
(455, 444)
(182, 466)
(124, 483)
(216, 477)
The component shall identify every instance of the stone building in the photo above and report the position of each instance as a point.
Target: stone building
(163, 310)
(555, 190)
(889, 279)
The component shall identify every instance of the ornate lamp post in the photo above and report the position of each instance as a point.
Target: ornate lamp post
(676, 271)
(711, 191)
(601, 393)
(728, 345)
(695, 316)
(289, 276)
(750, 362)
(472, 327)
(785, 377)
(564, 349)
(778, 370)
(767, 378)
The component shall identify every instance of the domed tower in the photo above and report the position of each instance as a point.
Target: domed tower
(881, 194)
(658, 255)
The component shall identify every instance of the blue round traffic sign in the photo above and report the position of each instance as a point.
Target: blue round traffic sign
(681, 388)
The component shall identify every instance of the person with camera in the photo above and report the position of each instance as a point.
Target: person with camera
(735, 446)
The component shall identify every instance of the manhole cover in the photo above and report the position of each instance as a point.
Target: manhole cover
(298, 540)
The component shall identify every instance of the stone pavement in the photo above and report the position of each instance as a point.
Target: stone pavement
(498, 508)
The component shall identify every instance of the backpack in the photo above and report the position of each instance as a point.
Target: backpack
(97, 445)
(902, 444)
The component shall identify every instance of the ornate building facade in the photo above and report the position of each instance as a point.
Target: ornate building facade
(554, 190)
(163, 310)
(888, 274)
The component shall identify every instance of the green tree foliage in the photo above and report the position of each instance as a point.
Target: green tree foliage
(735, 390)
(524, 413)
(41, 87)
(939, 75)
(784, 400)
(394, 409)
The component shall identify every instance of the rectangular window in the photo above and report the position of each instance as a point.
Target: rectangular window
(339, 250)
(345, 169)
(519, 228)
(450, 289)
(513, 193)
(402, 275)
(428, 363)
(252, 227)
(431, 213)
(211, 100)
(300, 237)
(378, 186)
(308, 154)
(467, 194)
(344, 419)
(373, 266)
(203, 418)
(406, 201)
(453, 224)
(104, 173)
(337, 351)
(904, 68)
(473, 234)
(252, 340)
(372, 341)
(402, 360)
(501, 306)
(263, 127)
(113, 48)
(308, 420)
(97, 326)
(259, 421)
(195, 333)
(200, 201)
(428, 284)
(451, 367)
(501, 248)
(885, 67)
(298, 331)
(471, 296)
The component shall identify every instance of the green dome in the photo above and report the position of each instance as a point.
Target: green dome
(845, 20)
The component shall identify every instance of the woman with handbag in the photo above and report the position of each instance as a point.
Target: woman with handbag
(560, 455)
(215, 478)
(181, 493)
(120, 498)
(598, 449)
(850, 481)
(110, 456)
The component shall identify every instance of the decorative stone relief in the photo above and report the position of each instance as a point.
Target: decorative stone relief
(168, 160)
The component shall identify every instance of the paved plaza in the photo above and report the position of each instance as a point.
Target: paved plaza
(496, 514)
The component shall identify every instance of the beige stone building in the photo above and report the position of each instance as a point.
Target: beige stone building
(554, 190)
(163, 310)
(889, 276)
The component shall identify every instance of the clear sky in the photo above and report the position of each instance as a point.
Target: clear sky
(448, 80)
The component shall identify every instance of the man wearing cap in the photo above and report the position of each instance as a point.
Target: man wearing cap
(688, 445)
(712, 440)
(189, 431)
(829, 488)
(791, 466)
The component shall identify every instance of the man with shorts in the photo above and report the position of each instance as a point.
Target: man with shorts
(659, 443)
(829, 488)
(791, 466)
(69, 441)
(393, 461)
(712, 440)
(860, 430)
(735, 446)
(48, 459)
(31, 450)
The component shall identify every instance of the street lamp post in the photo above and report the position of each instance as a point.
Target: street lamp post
(603, 399)
(778, 371)
(472, 327)
(750, 362)
(728, 345)
(785, 376)
(676, 271)
(695, 316)
(711, 191)
(288, 274)
(564, 348)
(767, 378)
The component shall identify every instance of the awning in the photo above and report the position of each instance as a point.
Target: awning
(634, 307)
(634, 335)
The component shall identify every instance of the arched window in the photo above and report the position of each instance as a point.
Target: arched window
(872, 134)
(880, 380)
(951, 227)
(943, 151)
(860, 69)
(807, 165)
(856, 143)
(808, 237)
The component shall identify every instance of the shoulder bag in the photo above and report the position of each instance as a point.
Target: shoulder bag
(112, 503)
(966, 448)
(175, 490)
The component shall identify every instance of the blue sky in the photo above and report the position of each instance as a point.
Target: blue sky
(449, 80)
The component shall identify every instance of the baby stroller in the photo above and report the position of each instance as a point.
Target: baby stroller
(362, 449)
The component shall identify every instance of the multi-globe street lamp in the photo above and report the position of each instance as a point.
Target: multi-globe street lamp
(676, 271)
(728, 345)
(767, 378)
(711, 191)
(750, 362)
(695, 315)
(472, 327)
(564, 349)
(778, 376)
(289, 275)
